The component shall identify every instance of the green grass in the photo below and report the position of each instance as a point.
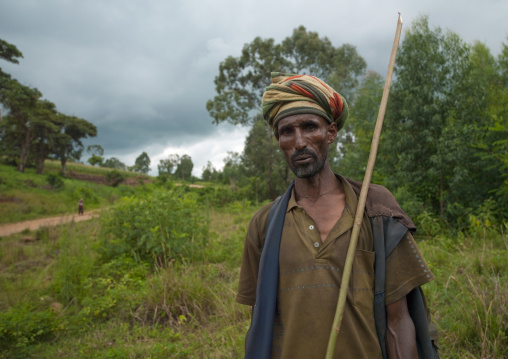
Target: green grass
(25, 196)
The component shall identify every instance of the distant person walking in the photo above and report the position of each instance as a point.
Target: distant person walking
(81, 204)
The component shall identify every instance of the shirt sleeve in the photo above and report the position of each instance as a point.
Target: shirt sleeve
(405, 270)
(252, 249)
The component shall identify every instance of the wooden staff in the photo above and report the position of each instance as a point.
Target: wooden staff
(363, 197)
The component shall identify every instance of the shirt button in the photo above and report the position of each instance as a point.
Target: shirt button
(316, 244)
(311, 227)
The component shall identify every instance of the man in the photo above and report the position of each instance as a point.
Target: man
(296, 247)
(81, 205)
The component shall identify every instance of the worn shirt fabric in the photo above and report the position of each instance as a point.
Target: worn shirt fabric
(310, 274)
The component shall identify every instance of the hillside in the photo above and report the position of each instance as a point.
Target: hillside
(25, 196)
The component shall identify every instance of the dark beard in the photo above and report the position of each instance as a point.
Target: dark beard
(308, 170)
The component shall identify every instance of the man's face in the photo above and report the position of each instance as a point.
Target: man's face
(304, 139)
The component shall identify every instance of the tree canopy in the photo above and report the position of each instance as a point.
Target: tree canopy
(443, 150)
(241, 80)
(33, 129)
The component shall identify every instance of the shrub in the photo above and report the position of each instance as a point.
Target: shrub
(167, 225)
(114, 178)
(89, 195)
(22, 326)
(55, 181)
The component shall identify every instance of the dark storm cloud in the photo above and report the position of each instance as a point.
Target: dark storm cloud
(143, 71)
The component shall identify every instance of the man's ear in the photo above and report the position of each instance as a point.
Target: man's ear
(332, 132)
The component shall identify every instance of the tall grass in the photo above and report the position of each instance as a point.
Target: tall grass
(470, 293)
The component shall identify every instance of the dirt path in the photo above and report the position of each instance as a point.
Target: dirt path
(11, 228)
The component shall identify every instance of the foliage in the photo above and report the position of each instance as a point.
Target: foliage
(114, 163)
(55, 181)
(242, 80)
(429, 139)
(120, 306)
(115, 177)
(209, 173)
(33, 130)
(142, 163)
(67, 144)
(356, 137)
(9, 52)
(166, 226)
(263, 162)
(22, 326)
(184, 168)
(167, 166)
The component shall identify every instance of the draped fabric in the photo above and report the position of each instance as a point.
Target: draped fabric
(302, 94)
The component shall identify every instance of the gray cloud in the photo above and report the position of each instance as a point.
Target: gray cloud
(143, 71)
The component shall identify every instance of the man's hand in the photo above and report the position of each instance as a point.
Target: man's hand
(400, 334)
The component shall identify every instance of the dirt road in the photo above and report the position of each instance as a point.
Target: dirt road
(11, 228)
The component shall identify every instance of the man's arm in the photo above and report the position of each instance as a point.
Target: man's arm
(400, 334)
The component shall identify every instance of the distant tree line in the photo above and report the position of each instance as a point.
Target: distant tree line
(32, 129)
(444, 146)
(176, 167)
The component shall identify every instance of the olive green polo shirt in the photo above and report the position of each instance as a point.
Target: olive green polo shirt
(310, 273)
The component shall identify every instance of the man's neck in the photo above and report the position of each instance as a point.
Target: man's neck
(315, 186)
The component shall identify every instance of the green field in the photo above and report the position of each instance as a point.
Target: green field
(156, 275)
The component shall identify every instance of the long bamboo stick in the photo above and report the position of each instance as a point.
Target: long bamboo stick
(362, 199)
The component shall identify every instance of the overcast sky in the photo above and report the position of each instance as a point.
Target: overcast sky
(142, 71)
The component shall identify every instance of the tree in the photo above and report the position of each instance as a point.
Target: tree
(493, 144)
(437, 112)
(142, 163)
(166, 167)
(263, 161)
(242, 80)
(67, 144)
(9, 52)
(46, 129)
(232, 170)
(355, 138)
(209, 172)
(115, 163)
(24, 116)
(97, 153)
(418, 112)
(184, 168)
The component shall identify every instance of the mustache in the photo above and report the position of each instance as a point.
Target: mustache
(303, 152)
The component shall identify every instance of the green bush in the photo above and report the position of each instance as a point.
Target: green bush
(87, 193)
(112, 290)
(115, 177)
(55, 181)
(22, 326)
(167, 225)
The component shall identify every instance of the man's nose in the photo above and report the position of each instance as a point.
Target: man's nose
(300, 141)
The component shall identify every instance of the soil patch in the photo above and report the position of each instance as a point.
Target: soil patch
(33, 225)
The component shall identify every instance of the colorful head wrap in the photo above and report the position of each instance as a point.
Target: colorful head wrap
(301, 94)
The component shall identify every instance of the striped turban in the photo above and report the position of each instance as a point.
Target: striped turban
(302, 94)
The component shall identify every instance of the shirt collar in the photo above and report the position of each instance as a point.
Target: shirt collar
(351, 198)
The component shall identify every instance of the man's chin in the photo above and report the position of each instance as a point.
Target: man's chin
(304, 172)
